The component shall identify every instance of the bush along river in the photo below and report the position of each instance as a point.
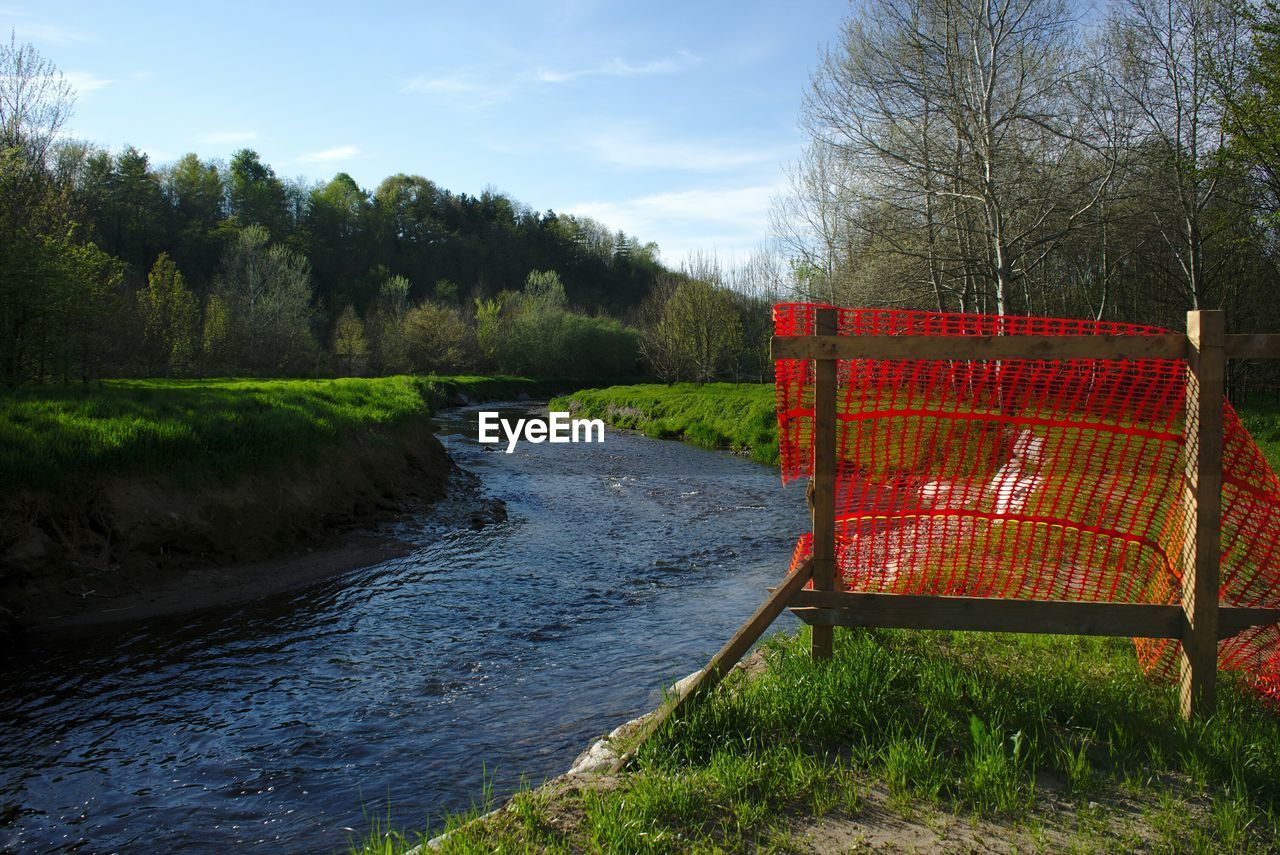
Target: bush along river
(401, 690)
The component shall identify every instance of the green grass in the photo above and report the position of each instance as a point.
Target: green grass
(979, 726)
(61, 437)
(1263, 423)
(735, 417)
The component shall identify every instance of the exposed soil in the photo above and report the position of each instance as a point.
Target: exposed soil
(882, 824)
(133, 547)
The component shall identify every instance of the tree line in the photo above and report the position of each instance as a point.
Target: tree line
(111, 265)
(962, 155)
(1007, 156)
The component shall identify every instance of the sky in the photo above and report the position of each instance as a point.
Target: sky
(673, 121)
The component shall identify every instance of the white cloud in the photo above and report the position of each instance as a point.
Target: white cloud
(469, 91)
(156, 155)
(618, 67)
(226, 137)
(330, 155)
(729, 221)
(627, 147)
(27, 29)
(445, 85)
(739, 205)
(482, 88)
(83, 81)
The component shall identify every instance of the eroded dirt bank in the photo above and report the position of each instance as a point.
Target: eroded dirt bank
(113, 545)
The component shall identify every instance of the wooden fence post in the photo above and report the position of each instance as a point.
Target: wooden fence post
(824, 478)
(1200, 576)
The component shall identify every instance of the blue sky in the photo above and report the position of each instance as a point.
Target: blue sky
(671, 120)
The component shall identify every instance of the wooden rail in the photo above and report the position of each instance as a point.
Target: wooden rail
(1252, 346)
(825, 346)
(1199, 621)
(984, 614)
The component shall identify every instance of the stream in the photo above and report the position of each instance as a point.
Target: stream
(400, 691)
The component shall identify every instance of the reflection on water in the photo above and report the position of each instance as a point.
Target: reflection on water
(621, 566)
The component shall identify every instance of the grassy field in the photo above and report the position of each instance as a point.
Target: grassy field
(737, 417)
(61, 436)
(1060, 741)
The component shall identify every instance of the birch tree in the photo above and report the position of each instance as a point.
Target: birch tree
(964, 119)
(1178, 63)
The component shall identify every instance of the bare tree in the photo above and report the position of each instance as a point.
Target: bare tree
(1178, 63)
(661, 343)
(813, 220)
(964, 120)
(758, 283)
(35, 101)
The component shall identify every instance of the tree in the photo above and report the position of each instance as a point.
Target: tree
(757, 284)
(661, 345)
(266, 290)
(445, 290)
(36, 100)
(197, 205)
(1252, 114)
(961, 122)
(814, 219)
(350, 346)
(534, 332)
(1178, 64)
(256, 196)
(131, 219)
(438, 339)
(55, 291)
(390, 346)
(692, 329)
(340, 244)
(708, 321)
(544, 292)
(216, 338)
(170, 318)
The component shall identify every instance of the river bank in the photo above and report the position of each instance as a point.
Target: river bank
(737, 417)
(913, 741)
(138, 498)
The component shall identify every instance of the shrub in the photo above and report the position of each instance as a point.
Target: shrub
(438, 339)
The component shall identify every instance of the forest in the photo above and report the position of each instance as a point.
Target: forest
(112, 266)
(1014, 156)
(1028, 157)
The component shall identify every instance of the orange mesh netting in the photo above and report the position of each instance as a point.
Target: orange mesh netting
(1027, 478)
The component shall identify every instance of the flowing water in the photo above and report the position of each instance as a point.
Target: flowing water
(397, 690)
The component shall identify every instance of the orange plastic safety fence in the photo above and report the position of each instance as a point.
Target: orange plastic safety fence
(1030, 479)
